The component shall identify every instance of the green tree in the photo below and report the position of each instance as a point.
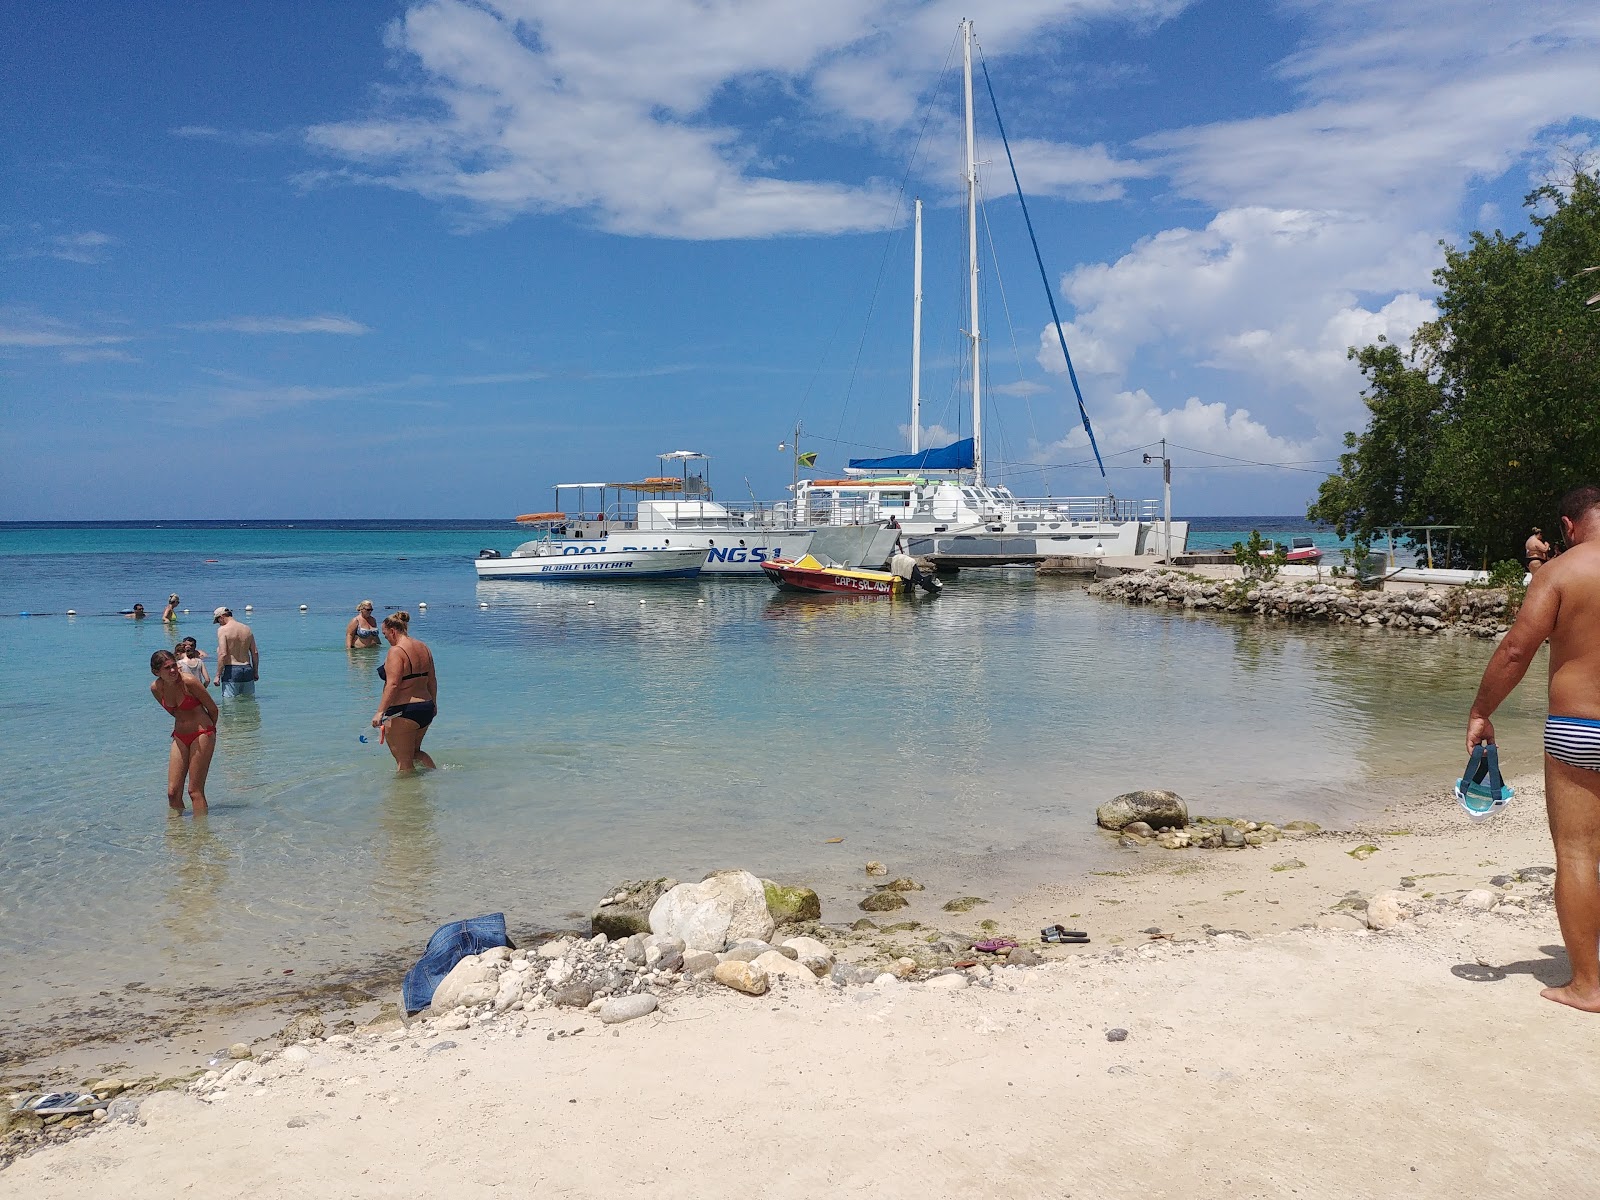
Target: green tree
(1496, 409)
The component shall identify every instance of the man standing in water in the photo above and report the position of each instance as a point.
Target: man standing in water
(1563, 605)
(1536, 550)
(238, 660)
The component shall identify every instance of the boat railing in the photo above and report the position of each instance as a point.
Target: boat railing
(685, 514)
(1082, 508)
(844, 509)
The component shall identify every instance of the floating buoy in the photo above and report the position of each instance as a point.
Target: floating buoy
(699, 601)
(483, 604)
(302, 608)
(249, 608)
(422, 604)
(641, 602)
(24, 614)
(591, 603)
(186, 612)
(72, 612)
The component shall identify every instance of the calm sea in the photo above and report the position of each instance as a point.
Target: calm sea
(592, 733)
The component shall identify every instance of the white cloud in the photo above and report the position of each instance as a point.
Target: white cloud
(100, 355)
(1329, 214)
(53, 335)
(326, 323)
(231, 137)
(606, 108)
(1133, 418)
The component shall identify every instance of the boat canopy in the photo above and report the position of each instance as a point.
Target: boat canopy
(957, 456)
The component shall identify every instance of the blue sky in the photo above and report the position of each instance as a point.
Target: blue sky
(428, 259)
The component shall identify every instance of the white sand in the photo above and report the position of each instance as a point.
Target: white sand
(1302, 1063)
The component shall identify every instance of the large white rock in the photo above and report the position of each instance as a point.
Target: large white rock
(626, 1008)
(778, 966)
(468, 973)
(1384, 911)
(726, 906)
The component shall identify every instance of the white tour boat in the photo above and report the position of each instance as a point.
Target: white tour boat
(677, 510)
(552, 561)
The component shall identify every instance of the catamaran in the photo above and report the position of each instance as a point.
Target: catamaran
(939, 498)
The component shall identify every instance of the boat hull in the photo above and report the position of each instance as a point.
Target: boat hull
(597, 566)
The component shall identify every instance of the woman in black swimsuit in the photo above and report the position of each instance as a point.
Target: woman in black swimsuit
(194, 729)
(410, 694)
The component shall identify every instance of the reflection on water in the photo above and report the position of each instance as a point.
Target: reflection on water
(198, 864)
(408, 850)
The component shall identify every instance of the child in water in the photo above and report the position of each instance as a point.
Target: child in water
(191, 662)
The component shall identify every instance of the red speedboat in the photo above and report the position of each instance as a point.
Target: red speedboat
(1301, 550)
(808, 574)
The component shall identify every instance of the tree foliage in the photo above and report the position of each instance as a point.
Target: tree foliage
(1495, 410)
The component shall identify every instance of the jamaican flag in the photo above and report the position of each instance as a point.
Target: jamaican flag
(807, 460)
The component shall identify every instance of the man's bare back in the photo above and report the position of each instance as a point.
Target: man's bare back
(236, 643)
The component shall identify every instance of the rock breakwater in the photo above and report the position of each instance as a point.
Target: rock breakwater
(1462, 611)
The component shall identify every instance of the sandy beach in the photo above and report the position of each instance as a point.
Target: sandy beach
(1274, 1046)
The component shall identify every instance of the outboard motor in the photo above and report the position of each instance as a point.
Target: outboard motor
(488, 554)
(926, 580)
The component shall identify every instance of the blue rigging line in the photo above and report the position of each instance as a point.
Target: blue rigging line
(1049, 294)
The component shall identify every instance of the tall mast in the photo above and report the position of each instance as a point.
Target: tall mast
(972, 251)
(916, 335)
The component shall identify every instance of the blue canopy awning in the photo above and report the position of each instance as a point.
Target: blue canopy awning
(957, 456)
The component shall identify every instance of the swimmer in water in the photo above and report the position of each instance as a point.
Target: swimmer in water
(362, 632)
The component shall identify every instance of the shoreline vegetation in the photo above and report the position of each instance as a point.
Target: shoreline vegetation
(1204, 968)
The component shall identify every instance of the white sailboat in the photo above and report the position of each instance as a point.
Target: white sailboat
(940, 499)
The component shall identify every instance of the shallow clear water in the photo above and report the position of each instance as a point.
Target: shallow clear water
(586, 737)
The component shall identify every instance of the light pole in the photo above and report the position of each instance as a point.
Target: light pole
(1166, 501)
(794, 489)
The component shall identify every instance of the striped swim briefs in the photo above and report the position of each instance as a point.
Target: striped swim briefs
(1574, 741)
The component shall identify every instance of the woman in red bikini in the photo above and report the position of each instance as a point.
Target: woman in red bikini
(194, 729)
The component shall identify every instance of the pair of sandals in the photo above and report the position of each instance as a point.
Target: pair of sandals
(1061, 935)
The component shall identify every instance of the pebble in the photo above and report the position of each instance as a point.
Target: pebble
(876, 868)
(1479, 898)
(1021, 956)
(453, 1021)
(239, 1050)
(903, 968)
(1116, 1035)
(955, 981)
(627, 1008)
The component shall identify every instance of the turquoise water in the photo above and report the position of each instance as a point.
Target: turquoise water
(591, 733)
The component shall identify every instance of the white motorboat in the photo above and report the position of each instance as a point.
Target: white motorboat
(552, 561)
(939, 498)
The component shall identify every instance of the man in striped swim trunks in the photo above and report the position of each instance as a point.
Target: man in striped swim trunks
(1563, 606)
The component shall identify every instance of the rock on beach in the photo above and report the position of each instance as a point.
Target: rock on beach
(742, 977)
(724, 907)
(1158, 809)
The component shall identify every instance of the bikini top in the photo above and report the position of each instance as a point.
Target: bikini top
(186, 703)
(383, 675)
(366, 631)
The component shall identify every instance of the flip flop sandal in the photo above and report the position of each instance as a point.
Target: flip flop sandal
(994, 945)
(1060, 933)
(1063, 936)
(62, 1104)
